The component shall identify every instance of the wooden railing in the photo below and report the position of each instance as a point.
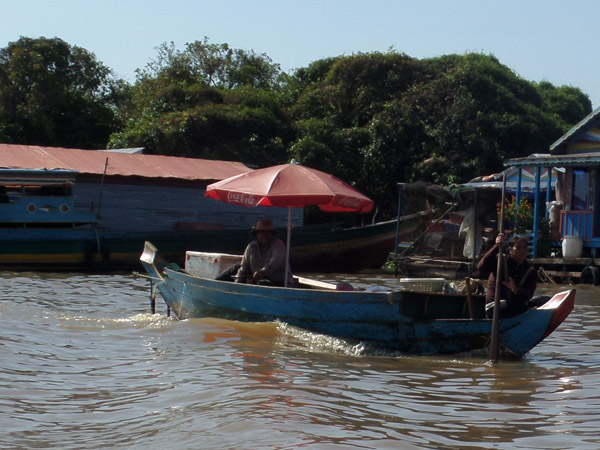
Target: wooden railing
(577, 223)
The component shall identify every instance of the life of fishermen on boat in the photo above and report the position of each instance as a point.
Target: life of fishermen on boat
(419, 317)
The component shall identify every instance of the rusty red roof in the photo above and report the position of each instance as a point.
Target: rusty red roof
(93, 162)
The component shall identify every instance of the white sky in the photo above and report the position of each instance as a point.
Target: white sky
(548, 40)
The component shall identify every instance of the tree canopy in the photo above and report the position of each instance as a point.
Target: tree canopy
(52, 93)
(378, 119)
(372, 119)
(208, 101)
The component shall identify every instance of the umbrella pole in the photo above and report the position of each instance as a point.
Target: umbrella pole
(287, 247)
(495, 337)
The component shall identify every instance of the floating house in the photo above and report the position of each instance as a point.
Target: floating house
(453, 242)
(137, 192)
(73, 208)
(576, 155)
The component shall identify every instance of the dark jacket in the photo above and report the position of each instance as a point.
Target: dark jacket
(271, 258)
(523, 275)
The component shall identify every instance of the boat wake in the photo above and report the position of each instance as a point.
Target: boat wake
(144, 320)
(315, 342)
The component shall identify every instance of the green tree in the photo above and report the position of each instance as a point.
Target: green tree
(52, 93)
(208, 101)
(214, 65)
(378, 119)
(343, 113)
(567, 102)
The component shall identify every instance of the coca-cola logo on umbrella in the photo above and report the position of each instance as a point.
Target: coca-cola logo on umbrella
(241, 199)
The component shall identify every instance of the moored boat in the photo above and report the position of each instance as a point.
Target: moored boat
(94, 210)
(324, 248)
(405, 320)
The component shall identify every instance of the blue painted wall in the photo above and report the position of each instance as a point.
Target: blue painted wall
(144, 207)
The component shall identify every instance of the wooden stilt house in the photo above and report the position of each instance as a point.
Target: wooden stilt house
(576, 156)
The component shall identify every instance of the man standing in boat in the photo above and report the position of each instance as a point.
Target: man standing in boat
(264, 258)
(519, 279)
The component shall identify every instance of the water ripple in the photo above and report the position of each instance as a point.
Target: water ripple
(84, 364)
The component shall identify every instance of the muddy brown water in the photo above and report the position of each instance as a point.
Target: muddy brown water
(83, 364)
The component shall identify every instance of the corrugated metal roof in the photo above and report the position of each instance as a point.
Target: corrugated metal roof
(131, 150)
(528, 182)
(580, 159)
(19, 176)
(574, 133)
(124, 164)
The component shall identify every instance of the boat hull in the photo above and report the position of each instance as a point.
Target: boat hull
(322, 248)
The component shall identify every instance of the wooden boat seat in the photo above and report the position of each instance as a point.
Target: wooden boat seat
(314, 284)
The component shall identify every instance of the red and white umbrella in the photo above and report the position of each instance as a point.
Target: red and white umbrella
(290, 186)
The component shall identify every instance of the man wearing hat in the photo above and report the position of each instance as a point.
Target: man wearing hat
(264, 258)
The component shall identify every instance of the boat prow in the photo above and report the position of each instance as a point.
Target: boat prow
(562, 304)
(152, 261)
(521, 333)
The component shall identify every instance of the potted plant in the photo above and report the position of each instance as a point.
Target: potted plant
(520, 215)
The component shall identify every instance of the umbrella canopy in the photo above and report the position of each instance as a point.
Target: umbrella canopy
(290, 186)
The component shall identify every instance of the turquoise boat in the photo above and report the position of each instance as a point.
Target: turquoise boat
(415, 320)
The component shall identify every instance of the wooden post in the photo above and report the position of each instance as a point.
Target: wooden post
(398, 229)
(475, 227)
(495, 337)
(519, 182)
(102, 187)
(536, 209)
(470, 298)
(152, 297)
(549, 192)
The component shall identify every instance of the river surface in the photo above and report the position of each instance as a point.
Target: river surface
(83, 364)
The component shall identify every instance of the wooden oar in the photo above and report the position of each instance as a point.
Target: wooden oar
(495, 337)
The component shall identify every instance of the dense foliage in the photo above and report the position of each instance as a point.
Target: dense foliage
(442, 120)
(208, 101)
(52, 93)
(372, 119)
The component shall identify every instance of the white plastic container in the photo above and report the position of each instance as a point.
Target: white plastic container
(572, 247)
(209, 265)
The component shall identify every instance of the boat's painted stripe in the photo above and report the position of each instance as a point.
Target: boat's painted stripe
(26, 258)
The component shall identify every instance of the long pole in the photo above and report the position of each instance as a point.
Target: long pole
(398, 229)
(495, 337)
(536, 211)
(102, 186)
(475, 227)
(287, 247)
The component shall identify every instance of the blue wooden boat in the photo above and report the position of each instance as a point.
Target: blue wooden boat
(408, 321)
